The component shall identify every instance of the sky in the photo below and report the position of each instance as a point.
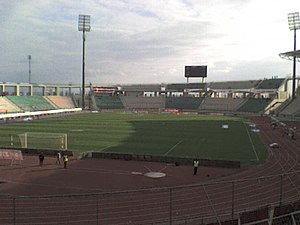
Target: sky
(144, 41)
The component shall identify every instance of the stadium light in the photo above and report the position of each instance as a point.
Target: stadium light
(29, 71)
(294, 24)
(84, 26)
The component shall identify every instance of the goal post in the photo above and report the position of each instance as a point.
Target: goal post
(44, 140)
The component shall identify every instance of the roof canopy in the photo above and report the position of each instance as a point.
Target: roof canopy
(290, 55)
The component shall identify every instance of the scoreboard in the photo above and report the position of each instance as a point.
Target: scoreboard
(195, 71)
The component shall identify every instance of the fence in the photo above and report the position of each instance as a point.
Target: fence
(244, 201)
(160, 158)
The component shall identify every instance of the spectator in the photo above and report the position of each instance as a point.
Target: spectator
(58, 157)
(196, 165)
(41, 159)
(66, 159)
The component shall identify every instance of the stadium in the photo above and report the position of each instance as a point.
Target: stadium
(128, 154)
(242, 178)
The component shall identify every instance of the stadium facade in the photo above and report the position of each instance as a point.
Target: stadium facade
(265, 96)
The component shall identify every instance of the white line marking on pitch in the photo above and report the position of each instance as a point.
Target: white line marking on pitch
(102, 149)
(178, 143)
(253, 147)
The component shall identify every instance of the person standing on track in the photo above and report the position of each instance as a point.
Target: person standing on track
(58, 157)
(41, 159)
(196, 165)
(66, 159)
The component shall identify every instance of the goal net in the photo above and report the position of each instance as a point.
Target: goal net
(44, 140)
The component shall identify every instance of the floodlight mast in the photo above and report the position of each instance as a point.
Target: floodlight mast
(29, 70)
(84, 26)
(294, 24)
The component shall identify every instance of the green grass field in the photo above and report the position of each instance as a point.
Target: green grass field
(172, 135)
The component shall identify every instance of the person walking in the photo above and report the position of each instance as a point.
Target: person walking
(58, 157)
(66, 159)
(196, 165)
(41, 159)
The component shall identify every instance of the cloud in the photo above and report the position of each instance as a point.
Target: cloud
(133, 41)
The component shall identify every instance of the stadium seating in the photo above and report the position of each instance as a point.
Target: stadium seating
(282, 220)
(253, 105)
(259, 214)
(297, 218)
(31, 103)
(7, 106)
(183, 102)
(221, 104)
(62, 102)
(270, 84)
(175, 96)
(141, 87)
(182, 87)
(234, 85)
(291, 108)
(108, 102)
(283, 209)
(228, 222)
(132, 102)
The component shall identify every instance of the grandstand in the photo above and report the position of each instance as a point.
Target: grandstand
(185, 87)
(253, 105)
(291, 108)
(267, 96)
(108, 102)
(183, 103)
(234, 85)
(61, 102)
(143, 103)
(221, 104)
(141, 90)
(270, 84)
(31, 103)
(7, 106)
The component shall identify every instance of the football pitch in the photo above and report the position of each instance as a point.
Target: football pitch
(196, 136)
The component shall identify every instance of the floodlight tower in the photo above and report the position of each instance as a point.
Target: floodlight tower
(84, 26)
(294, 24)
(29, 71)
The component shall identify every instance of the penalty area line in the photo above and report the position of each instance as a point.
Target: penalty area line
(102, 149)
(173, 147)
(253, 147)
